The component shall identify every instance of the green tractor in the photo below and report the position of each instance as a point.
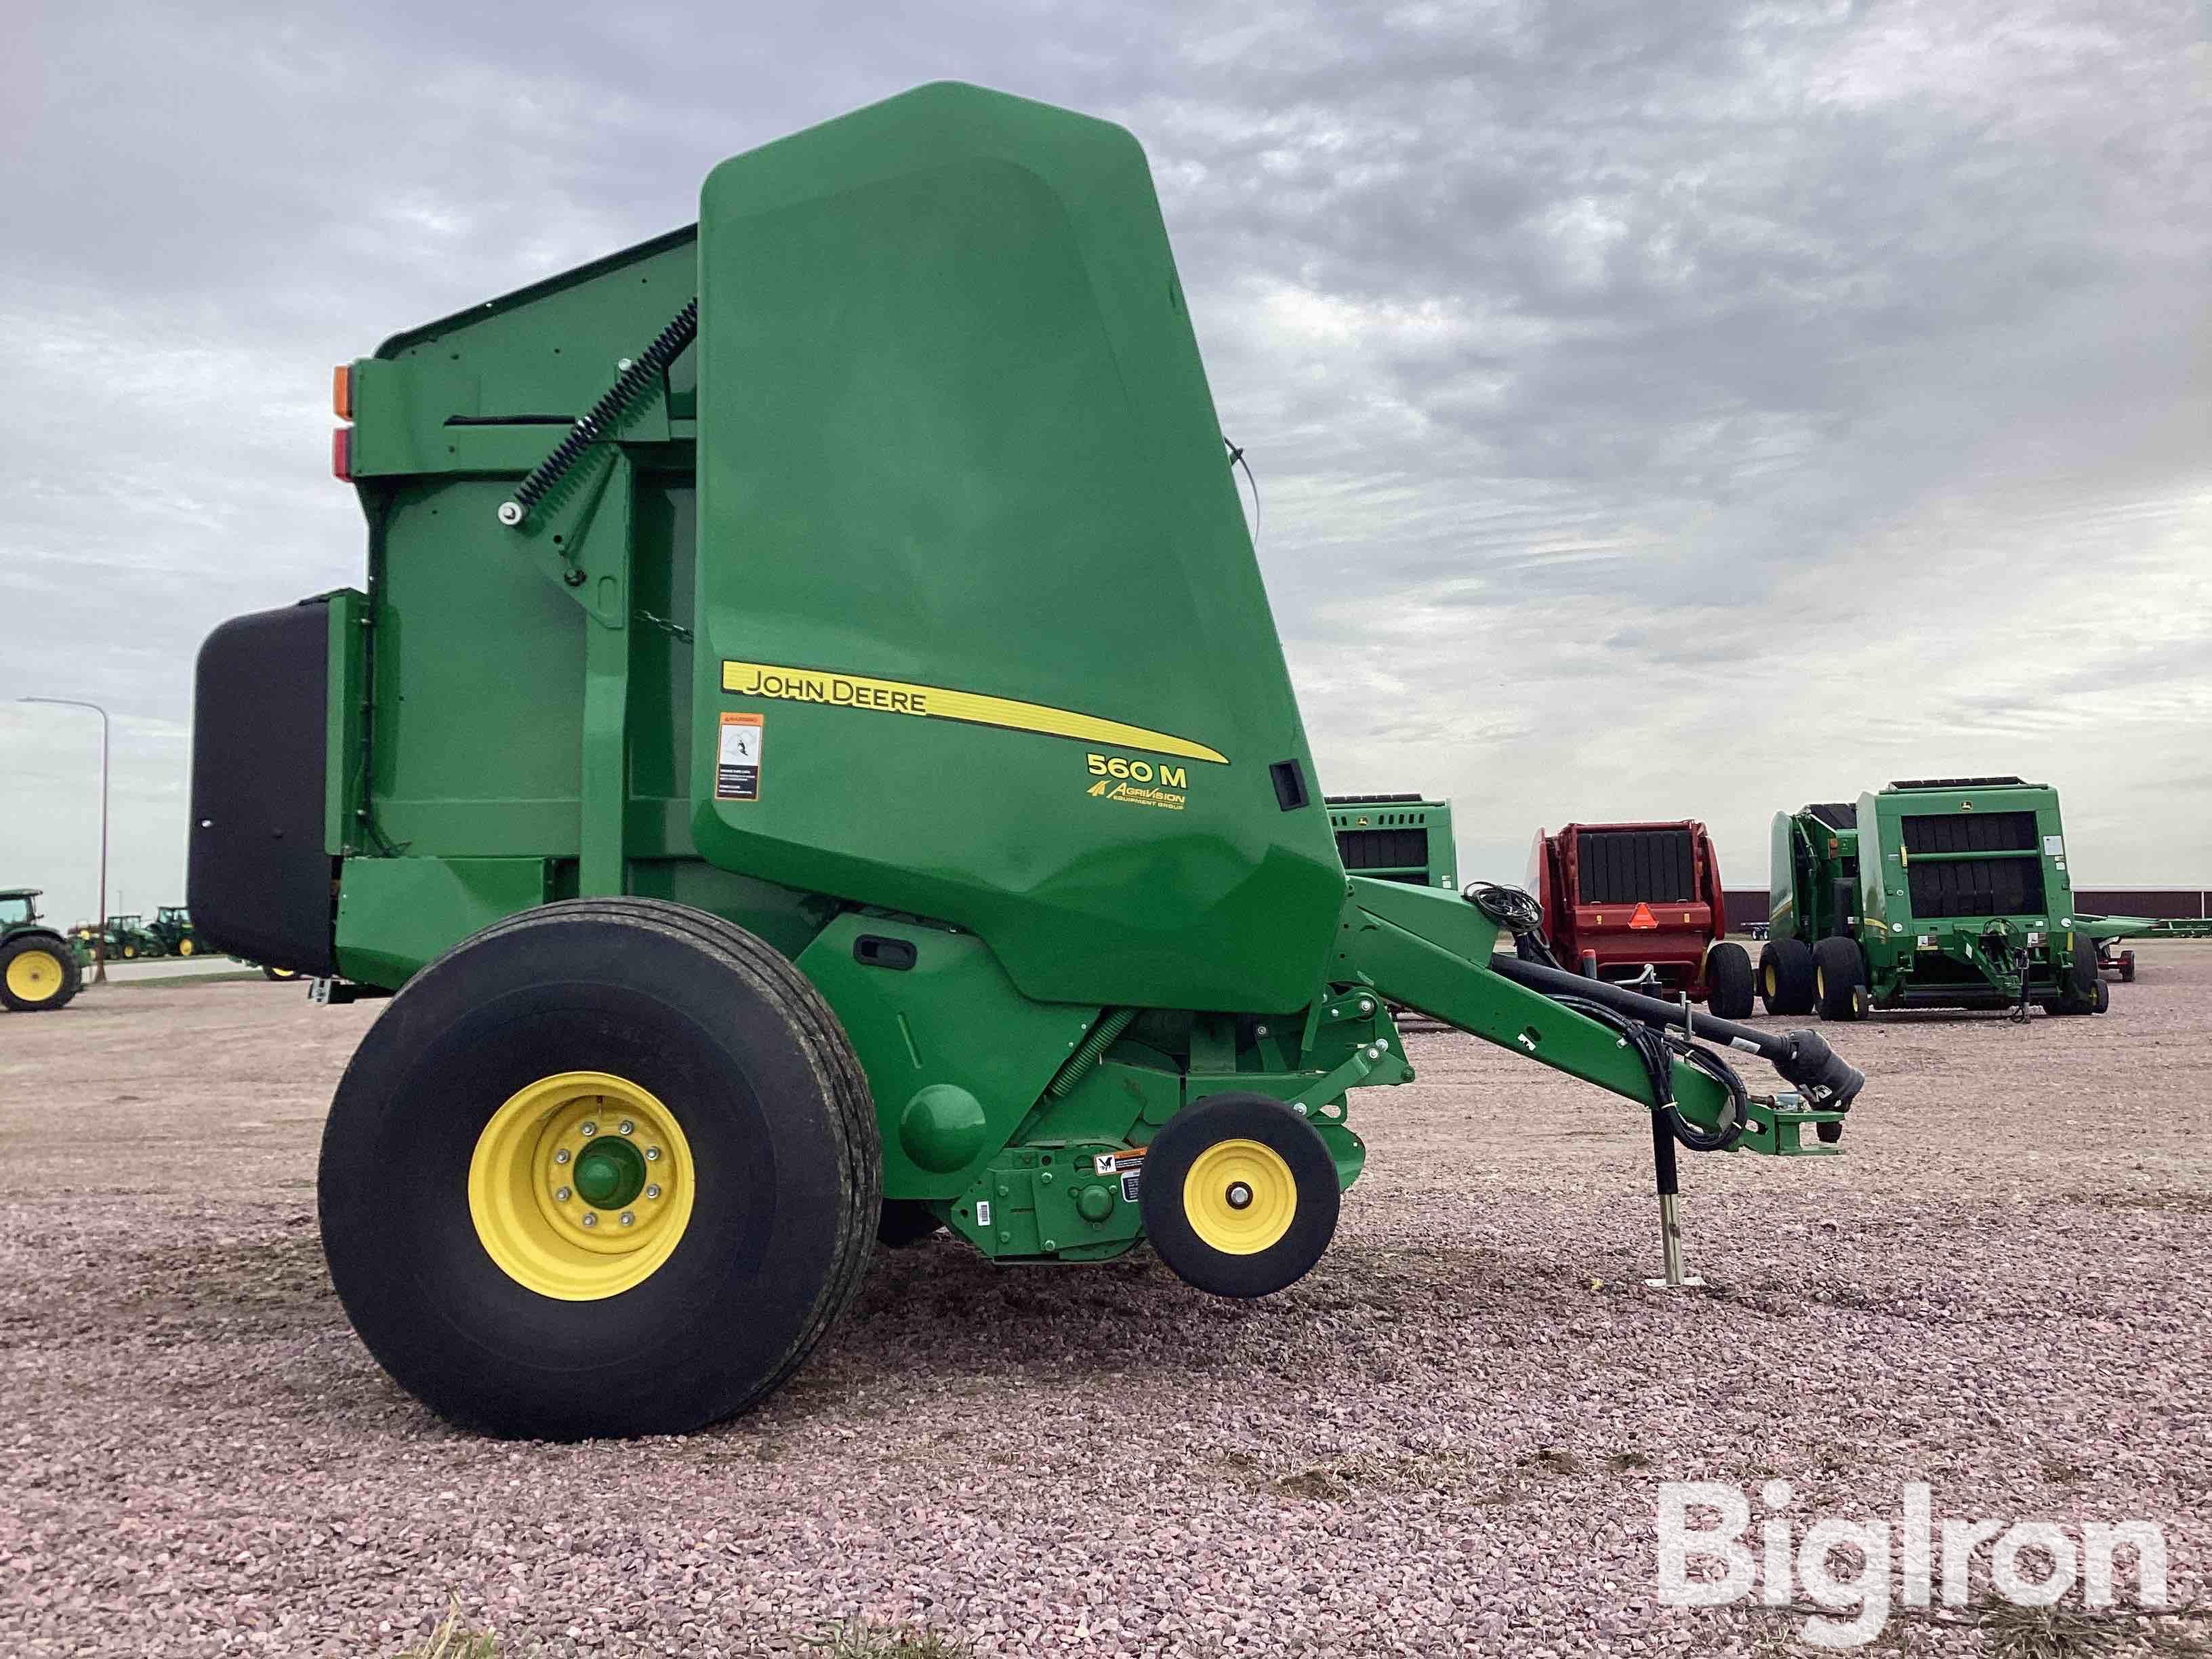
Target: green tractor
(129, 939)
(1934, 893)
(905, 452)
(39, 968)
(172, 929)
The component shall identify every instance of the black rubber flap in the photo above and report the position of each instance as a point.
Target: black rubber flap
(259, 882)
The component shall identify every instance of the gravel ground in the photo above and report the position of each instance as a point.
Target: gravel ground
(1449, 1438)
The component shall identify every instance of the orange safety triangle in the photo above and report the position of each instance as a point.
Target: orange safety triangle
(1643, 918)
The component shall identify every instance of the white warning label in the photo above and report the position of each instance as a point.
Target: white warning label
(738, 762)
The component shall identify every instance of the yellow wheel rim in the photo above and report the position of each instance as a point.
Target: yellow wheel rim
(184, 947)
(1770, 979)
(35, 977)
(1240, 1197)
(581, 1185)
(1820, 982)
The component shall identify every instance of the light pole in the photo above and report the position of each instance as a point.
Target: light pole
(100, 938)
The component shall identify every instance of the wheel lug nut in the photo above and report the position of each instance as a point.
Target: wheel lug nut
(627, 1217)
(591, 1218)
(588, 1130)
(560, 1157)
(628, 1127)
(653, 1191)
(653, 1155)
(560, 1194)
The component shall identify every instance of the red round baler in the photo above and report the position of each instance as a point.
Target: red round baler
(1640, 905)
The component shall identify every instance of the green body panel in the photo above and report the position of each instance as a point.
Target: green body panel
(1376, 836)
(953, 1018)
(396, 914)
(1858, 883)
(2107, 928)
(1049, 520)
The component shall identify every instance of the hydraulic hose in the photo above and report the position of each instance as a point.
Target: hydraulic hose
(1658, 1053)
(1803, 1058)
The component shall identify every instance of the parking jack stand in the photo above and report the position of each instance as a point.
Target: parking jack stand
(1670, 1220)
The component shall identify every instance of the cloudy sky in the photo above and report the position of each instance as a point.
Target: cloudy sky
(1659, 409)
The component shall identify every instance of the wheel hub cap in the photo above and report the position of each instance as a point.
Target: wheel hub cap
(559, 1187)
(1240, 1197)
(34, 975)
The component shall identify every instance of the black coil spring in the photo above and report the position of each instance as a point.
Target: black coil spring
(648, 367)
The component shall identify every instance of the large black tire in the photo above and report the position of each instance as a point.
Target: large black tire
(1839, 989)
(1785, 976)
(779, 1133)
(1729, 982)
(1298, 1150)
(39, 973)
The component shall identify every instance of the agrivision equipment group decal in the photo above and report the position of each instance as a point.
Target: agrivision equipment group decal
(942, 702)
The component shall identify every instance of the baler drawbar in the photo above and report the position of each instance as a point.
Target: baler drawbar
(1029, 926)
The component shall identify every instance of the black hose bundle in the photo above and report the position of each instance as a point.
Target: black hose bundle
(1516, 911)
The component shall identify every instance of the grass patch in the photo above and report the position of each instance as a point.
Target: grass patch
(857, 1639)
(454, 1640)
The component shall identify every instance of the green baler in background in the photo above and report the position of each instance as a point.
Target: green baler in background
(1944, 892)
(1396, 838)
(1029, 921)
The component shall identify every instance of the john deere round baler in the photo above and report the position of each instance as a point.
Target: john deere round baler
(1030, 923)
(1934, 892)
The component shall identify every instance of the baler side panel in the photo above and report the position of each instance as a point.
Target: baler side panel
(956, 445)
(477, 694)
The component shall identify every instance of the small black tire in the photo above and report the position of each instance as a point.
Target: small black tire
(2127, 967)
(778, 1135)
(1785, 976)
(280, 975)
(38, 974)
(1730, 984)
(2104, 998)
(1839, 979)
(1294, 1182)
(905, 1221)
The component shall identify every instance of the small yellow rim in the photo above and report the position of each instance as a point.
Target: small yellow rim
(1820, 982)
(185, 947)
(1771, 987)
(35, 977)
(1240, 1197)
(528, 1203)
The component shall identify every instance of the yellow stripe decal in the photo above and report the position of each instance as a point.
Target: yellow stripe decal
(762, 679)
